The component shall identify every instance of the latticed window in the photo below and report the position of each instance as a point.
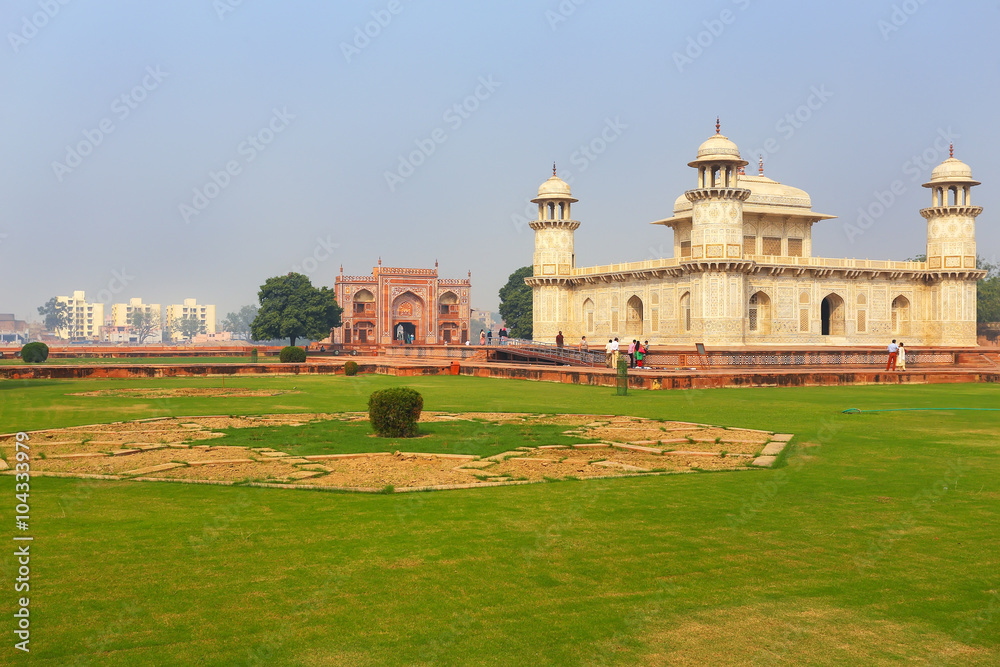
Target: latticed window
(614, 321)
(749, 245)
(794, 247)
(862, 321)
(772, 245)
(753, 313)
(685, 248)
(804, 311)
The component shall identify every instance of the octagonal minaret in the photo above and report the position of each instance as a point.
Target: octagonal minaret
(951, 253)
(951, 218)
(718, 299)
(554, 258)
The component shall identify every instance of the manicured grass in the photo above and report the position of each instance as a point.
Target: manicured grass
(463, 437)
(875, 544)
(53, 361)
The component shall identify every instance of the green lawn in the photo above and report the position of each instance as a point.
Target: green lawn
(463, 437)
(52, 361)
(877, 543)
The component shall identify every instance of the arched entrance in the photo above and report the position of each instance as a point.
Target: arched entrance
(832, 316)
(759, 320)
(405, 332)
(901, 315)
(407, 315)
(633, 323)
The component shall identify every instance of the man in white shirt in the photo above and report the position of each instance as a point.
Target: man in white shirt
(614, 353)
(893, 350)
(608, 351)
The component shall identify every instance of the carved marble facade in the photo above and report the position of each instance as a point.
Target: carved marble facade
(744, 274)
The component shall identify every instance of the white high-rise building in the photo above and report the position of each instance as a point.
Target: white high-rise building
(190, 308)
(85, 319)
(119, 325)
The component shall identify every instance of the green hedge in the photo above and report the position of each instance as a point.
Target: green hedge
(351, 368)
(394, 412)
(35, 353)
(292, 355)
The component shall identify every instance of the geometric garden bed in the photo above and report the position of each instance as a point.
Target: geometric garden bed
(188, 449)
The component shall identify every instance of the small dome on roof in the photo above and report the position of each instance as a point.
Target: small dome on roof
(718, 145)
(718, 148)
(554, 187)
(950, 170)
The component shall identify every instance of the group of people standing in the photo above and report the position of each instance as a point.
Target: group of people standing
(636, 352)
(897, 356)
(486, 337)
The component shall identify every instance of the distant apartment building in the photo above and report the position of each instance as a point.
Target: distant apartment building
(190, 307)
(119, 329)
(12, 330)
(85, 319)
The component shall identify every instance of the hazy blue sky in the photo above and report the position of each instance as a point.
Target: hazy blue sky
(848, 93)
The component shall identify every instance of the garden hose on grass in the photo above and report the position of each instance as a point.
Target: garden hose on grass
(854, 411)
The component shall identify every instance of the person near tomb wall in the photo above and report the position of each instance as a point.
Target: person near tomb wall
(893, 350)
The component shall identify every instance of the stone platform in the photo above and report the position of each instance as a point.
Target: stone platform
(966, 367)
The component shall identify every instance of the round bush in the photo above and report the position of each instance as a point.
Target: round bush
(351, 368)
(35, 353)
(394, 412)
(292, 355)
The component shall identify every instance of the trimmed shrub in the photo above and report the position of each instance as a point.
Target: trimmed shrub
(35, 353)
(351, 368)
(394, 412)
(292, 355)
(253, 356)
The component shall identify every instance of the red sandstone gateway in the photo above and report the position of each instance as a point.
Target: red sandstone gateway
(396, 306)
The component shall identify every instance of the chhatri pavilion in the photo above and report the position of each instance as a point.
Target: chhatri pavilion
(744, 272)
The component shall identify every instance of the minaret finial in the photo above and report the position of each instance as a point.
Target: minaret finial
(435, 263)
(951, 149)
(553, 168)
(760, 164)
(718, 126)
(380, 260)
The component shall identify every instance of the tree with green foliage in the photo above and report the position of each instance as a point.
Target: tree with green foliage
(239, 323)
(290, 307)
(188, 326)
(988, 292)
(515, 304)
(56, 314)
(143, 323)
